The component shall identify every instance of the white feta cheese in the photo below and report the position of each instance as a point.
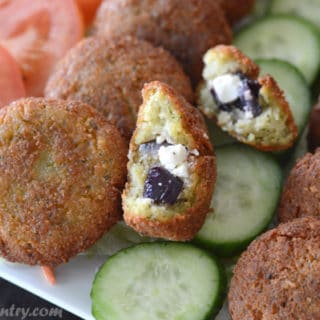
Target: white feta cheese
(172, 156)
(160, 139)
(226, 87)
(164, 136)
(248, 95)
(195, 152)
(248, 115)
(175, 159)
(182, 171)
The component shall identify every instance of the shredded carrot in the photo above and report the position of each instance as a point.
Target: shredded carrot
(48, 273)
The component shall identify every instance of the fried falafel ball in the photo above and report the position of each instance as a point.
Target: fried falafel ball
(62, 170)
(301, 193)
(253, 110)
(235, 10)
(278, 276)
(171, 169)
(186, 28)
(109, 75)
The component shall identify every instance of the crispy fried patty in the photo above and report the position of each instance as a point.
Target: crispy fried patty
(278, 277)
(62, 168)
(186, 28)
(109, 75)
(165, 113)
(301, 194)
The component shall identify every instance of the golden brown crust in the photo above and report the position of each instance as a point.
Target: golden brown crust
(278, 276)
(191, 119)
(231, 53)
(277, 95)
(301, 194)
(186, 28)
(109, 74)
(182, 226)
(62, 170)
(225, 59)
(235, 10)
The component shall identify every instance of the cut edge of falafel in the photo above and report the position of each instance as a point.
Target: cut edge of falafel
(171, 169)
(251, 109)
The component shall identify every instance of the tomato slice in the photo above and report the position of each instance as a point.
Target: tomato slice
(88, 9)
(11, 85)
(38, 33)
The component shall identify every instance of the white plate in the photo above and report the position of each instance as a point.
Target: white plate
(72, 290)
(74, 279)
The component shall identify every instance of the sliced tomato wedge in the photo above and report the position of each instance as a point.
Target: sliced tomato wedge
(88, 9)
(38, 33)
(11, 85)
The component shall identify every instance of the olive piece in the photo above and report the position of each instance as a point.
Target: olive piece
(249, 96)
(161, 186)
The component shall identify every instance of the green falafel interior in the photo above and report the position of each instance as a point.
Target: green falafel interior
(251, 109)
(161, 177)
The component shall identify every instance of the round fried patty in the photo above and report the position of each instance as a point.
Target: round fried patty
(62, 168)
(109, 75)
(186, 28)
(301, 194)
(278, 277)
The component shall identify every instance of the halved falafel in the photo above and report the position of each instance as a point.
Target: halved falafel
(278, 277)
(109, 75)
(185, 28)
(251, 109)
(171, 169)
(62, 169)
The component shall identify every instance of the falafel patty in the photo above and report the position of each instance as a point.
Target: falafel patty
(62, 169)
(301, 193)
(253, 110)
(171, 169)
(278, 277)
(109, 75)
(235, 10)
(186, 28)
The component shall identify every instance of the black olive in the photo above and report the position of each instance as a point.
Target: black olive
(161, 186)
(249, 96)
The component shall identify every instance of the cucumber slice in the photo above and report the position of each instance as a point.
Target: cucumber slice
(283, 37)
(158, 281)
(246, 195)
(294, 86)
(309, 9)
(261, 7)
